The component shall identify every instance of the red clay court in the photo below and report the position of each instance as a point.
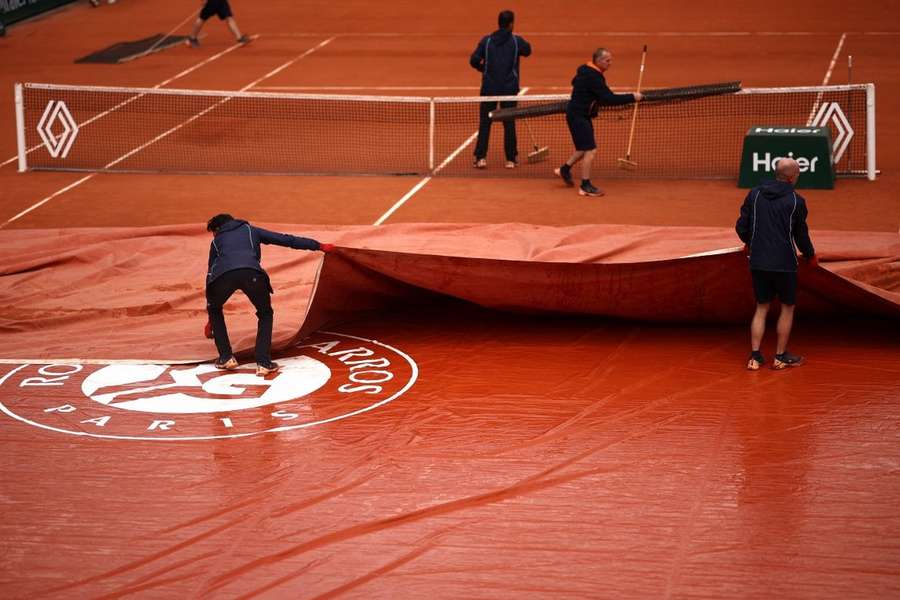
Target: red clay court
(494, 388)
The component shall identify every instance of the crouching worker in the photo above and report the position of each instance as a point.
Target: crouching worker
(234, 264)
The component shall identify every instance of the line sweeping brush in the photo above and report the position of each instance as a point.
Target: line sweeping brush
(626, 163)
(538, 154)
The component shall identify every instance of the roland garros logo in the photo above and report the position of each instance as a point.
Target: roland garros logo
(330, 377)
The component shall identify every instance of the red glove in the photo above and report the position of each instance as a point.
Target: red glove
(207, 331)
(326, 247)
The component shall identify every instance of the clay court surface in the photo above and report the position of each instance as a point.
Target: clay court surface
(508, 432)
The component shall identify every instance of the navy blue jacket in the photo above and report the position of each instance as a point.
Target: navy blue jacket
(590, 92)
(773, 219)
(497, 57)
(236, 245)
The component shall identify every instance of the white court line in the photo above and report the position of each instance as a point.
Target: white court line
(404, 88)
(372, 34)
(124, 103)
(428, 178)
(170, 131)
(47, 199)
(826, 79)
(354, 88)
(837, 52)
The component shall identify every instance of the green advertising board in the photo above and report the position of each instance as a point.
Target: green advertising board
(764, 145)
(16, 10)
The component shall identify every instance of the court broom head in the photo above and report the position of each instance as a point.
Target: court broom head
(538, 154)
(628, 165)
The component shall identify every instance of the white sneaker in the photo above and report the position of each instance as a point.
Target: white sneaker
(481, 163)
(511, 164)
(263, 370)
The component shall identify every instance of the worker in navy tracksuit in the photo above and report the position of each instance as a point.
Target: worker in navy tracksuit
(589, 93)
(773, 226)
(497, 57)
(234, 264)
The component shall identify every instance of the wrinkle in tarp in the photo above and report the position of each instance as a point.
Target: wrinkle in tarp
(137, 293)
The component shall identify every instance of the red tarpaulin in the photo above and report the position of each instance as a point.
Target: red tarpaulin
(143, 288)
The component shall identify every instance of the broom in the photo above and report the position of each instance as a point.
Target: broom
(538, 154)
(627, 163)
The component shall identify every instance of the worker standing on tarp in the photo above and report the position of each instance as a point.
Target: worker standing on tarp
(772, 221)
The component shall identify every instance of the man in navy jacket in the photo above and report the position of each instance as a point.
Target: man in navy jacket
(497, 57)
(589, 93)
(234, 264)
(772, 221)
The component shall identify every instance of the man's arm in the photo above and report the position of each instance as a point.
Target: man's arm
(801, 231)
(212, 256)
(477, 58)
(605, 96)
(524, 47)
(287, 240)
(744, 225)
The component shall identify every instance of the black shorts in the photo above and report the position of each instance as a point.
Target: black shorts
(582, 130)
(768, 284)
(215, 7)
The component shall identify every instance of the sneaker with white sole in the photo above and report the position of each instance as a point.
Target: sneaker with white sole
(480, 163)
(755, 361)
(587, 189)
(193, 42)
(511, 164)
(785, 360)
(228, 364)
(267, 369)
(565, 172)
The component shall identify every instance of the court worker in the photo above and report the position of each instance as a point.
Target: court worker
(589, 93)
(234, 264)
(497, 57)
(773, 225)
(221, 9)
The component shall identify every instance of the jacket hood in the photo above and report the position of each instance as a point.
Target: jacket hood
(775, 189)
(231, 225)
(501, 36)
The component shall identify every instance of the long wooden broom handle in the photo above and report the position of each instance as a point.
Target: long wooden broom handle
(634, 114)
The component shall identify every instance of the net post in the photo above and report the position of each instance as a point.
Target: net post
(870, 131)
(431, 134)
(20, 128)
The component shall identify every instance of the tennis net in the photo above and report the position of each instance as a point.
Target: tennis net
(111, 129)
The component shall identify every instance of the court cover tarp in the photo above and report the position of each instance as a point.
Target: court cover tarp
(137, 293)
(125, 51)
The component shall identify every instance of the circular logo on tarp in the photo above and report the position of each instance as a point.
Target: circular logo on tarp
(330, 377)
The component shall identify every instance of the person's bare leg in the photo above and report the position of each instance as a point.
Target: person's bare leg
(586, 162)
(198, 25)
(576, 156)
(233, 26)
(758, 326)
(757, 331)
(785, 323)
